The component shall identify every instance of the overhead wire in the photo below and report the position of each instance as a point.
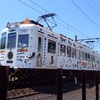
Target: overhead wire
(38, 5)
(29, 6)
(92, 8)
(95, 6)
(67, 27)
(32, 8)
(61, 21)
(85, 14)
(56, 17)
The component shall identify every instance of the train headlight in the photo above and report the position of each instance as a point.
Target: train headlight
(16, 24)
(12, 25)
(8, 25)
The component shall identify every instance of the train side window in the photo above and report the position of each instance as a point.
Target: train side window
(78, 54)
(51, 46)
(39, 44)
(68, 51)
(82, 55)
(62, 50)
(3, 43)
(94, 58)
(91, 58)
(74, 53)
(86, 55)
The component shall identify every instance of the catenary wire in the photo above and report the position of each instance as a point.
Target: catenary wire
(85, 14)
(57, 18)
(95, 6)
(92, 8)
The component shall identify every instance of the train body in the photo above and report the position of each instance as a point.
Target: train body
(28, 44)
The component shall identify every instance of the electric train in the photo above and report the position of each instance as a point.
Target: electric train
(28, 44)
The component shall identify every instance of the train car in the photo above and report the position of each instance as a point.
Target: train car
(28, 45)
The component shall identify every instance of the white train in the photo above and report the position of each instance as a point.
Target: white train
(28, 44)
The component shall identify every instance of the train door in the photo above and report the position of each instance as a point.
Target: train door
(39, 51)
(51, 52)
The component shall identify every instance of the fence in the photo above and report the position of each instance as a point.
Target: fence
(48, 84)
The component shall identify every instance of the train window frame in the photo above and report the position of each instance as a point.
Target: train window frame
(73, 52)
(39, 44)
(62, 50)
(91, 58)
(4, 43)
(51, 46)
(86, 56)
(81, 55)
(22, 44)
(11, 43)
(78, 54)
(69, 49)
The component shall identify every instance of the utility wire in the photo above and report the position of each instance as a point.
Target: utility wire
(85, 14)
(67, 27)
(38, 5)
(60, 20)
(92, 8)
(72, 27)
(57, 18)
(95, 6)
(33, 9)
(30, 6)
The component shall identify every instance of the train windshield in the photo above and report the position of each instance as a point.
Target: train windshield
(3, 43)
(23, 40)
(11, 40)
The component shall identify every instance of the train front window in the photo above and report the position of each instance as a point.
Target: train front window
(3, 43)
(23, 40)
(11, 40)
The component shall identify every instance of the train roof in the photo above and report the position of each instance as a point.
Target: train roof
(31, 22)
(27, 21)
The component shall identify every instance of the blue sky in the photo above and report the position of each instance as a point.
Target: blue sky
(87, 22)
